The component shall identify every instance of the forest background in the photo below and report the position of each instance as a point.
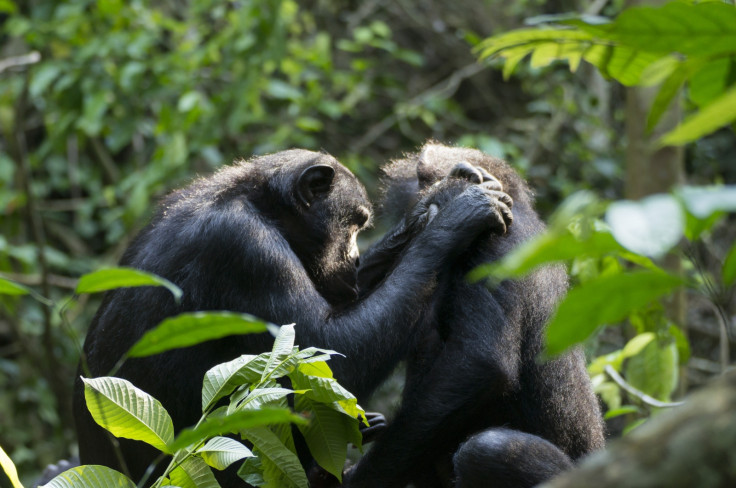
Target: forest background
(106, 105)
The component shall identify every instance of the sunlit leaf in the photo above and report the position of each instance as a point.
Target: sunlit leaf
(111, 278)
(221, 380)
(282, 348)
(290, 471)
(327, 434)
(193, 473)
(651, 226)
(606, 300)
(90, 476)
(729, 267)
(221, 452)
(126, 411)
(654, 370)
(188, 329)
(233, 423)
(9, 467)
(716, 114)
(8, 287)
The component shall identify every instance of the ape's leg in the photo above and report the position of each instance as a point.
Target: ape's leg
(506, 458)
(477, 364)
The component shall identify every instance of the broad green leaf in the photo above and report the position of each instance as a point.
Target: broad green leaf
(289, 470)
(327, 434)
(729, 267)
(90, 476)
(283, 346)
(325, 390)
(682, 344)
(616, 359)
(221, 380)
(8, 287)
(530, 38)
(651, 226)
(189, 329)
(111, 278)
(9, 467)
(221, 452)
(637, 344)
(626, 409)
(251, 471)
(716, 114)
(654, 370)
(667, 92)
(128, 412)
(546, 248)
(193, 473)
(260, 396)
(703, 201)
(233, 423)
(606, 300)
(710, 81)
(701, 30)
(623, 63)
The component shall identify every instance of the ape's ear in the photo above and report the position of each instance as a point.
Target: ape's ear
(314, 182)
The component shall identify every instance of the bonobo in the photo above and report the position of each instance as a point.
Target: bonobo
(274, 237)
(473, 368)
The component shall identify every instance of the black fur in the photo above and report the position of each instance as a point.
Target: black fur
(474, 363)
(271, 237)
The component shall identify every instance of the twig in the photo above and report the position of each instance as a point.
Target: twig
(446, 87)
(16, 61)
(638, 393)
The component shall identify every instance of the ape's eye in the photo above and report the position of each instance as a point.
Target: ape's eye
(362, 215)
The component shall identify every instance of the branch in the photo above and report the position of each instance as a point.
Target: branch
(16, 61)
(638, 393)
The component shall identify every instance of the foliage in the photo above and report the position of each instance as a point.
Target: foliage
(618, 277)
(678, 43)
(255, 405)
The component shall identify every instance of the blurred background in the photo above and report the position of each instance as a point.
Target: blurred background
(105, 105)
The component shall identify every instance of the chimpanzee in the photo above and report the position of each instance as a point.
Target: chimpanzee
(474, 367)
(274, 237)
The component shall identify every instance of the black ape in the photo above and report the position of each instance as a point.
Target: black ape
(473, 367)
(274, 237)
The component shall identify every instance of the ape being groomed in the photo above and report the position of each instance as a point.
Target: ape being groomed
(478, 408)
(273, 237)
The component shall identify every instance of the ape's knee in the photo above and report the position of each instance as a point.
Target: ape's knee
(509, 458)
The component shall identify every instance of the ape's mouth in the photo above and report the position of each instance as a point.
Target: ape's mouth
(342, 287)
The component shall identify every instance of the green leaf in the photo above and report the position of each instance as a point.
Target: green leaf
(128, 412)
(282, 349)
(654, 371)
(700, 30)
(651, 226)
(326, 434)
(189, 329)
(260, 396)
(233, 423)
(616, 359)
(325, 389)
(9, 467)
(8, 287)
(626, 409)
(546, 248)
(222, 379)
(193, 473)
(716, 114)
(221, 452)
(251, 471)
(729, 267)
(605, 300)
(111, 278)
(90, 476)
(286, 464)
(669, 89)
(710, 81)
